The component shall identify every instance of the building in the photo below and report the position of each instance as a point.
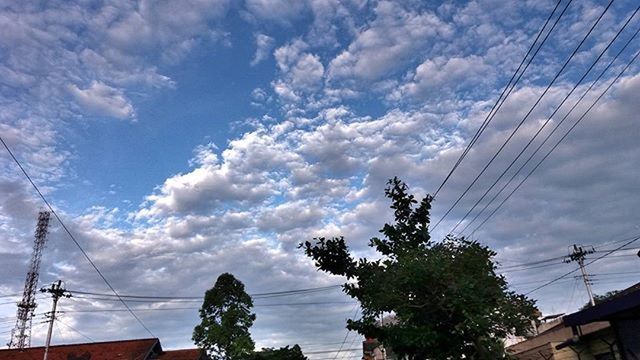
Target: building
(607, 331)
(373, 350)
(139, 349)
(543, 346)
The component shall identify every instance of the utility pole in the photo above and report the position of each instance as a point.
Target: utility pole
(578, 255)
(57, 291)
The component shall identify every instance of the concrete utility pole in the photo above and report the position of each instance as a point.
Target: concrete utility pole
(57, 291)
(578, 255)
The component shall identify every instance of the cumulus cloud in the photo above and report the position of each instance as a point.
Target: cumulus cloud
(94, 56)
(242, 206)
(193, 237)
(388, 43)
(302, 72)
(102, 99)
(264, 44)
(175, 26)
(439, 77)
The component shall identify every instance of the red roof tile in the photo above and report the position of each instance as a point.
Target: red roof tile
(112, 350)
(185, 354)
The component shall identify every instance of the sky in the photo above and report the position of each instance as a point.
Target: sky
(180, 139)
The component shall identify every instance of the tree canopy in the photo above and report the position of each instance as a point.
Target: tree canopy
(284, 353)
(598, 299)
(446, 298)
(226, 318)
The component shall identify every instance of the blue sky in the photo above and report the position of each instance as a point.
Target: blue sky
(182, 139)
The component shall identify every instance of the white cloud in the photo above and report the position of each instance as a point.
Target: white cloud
(301, 72)
(388, 43)
(243, 207)
(291, 215)
(439, 77)
(333, 19)
(175, 26)
(194, 238)
(264, 44)
(102, 99)
(307, 72)
(277, 11)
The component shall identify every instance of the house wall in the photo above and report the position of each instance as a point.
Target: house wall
(628, 331)
(594, 344)
(593, 348)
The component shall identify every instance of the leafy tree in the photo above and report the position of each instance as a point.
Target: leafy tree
(601, 298)
(285, 353)
(226, 319)
(446, 297)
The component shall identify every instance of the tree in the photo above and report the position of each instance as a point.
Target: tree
(226, 319)
(446, 298)
(285, 353)
(598, 299)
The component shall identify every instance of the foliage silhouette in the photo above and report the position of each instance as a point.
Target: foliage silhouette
(226, 318)
(445, 298)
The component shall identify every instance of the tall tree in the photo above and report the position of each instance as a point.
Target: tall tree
(226, 319)
(284, 353)
(446, 298)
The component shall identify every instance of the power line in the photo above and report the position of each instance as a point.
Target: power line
(9, 295)
(502, 98)
(528, 160)
(255, 305)
(534, 282)
(265, 295)
(515, 130)
(558, 142)
(74, 329)
(330, 351)
(601, 251)
(330, 287)
(548, 262)
(573, 292)
(543, 261)
(611, 242)
(589, 263)
(196, 308)
(347, 334)
(531, 268)
(70, 234)
(615, 273)
(558, 107)
(356, 336)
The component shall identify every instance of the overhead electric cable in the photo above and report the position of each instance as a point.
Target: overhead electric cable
(506, 91)
(601, 251)
(70, 234)
(529, 268)
(515, 130)
(548, 136)
(196, 308)
(558, 142)
(264, 295)
(586, 264)
(573, 292)
(347, 334)
(611, 242)
(330, 351)
(532, 263)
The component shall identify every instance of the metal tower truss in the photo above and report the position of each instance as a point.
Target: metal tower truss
(21, 333)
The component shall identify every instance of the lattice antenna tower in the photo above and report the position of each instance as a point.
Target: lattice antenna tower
(21, 333)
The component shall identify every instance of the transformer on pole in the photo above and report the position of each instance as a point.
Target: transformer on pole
(578, 255)
(21, 333)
